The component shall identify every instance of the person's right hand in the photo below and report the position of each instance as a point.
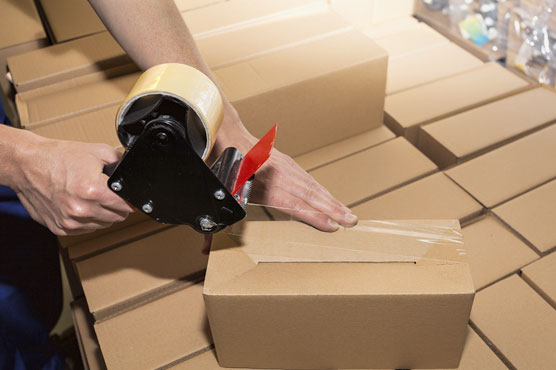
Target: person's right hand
(62, 186)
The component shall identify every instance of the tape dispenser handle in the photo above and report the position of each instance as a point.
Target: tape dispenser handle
(109, 169)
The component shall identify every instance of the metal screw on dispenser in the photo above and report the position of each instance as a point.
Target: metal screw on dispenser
(207, 223)
(219, 194)
(147, 208)
(116, 186)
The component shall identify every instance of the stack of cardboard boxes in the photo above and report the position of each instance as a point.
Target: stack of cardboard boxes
(462, 140)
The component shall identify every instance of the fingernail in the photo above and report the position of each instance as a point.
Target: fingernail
(351, 219)
(333, 223)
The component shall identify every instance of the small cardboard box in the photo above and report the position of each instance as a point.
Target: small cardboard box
(510, 170)
(80, 95)
(406, 110)
(518, 322)
(486, 240)
(532, 215)
(64, 61)
(70, 19)
(164, 331)
(365, 12)
(244, 43)
(319, 92)
(373, 171)
(375, 296)
(427, 65)
(410, 40)
(541, 275)
(468, 134)
(124, 276)
(434, 197)
(229, 15)
(86, 338)
(330, 153)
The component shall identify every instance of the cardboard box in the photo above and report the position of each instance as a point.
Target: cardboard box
(50, 103)
(64, 61)
(434, 197)
(411, 40)
(374, 171)
(21, 31)
(244, 43)
(486, 240)
(344, 75)
(468, 134)
(91, 127)
(69, 20)
(532, 215)
(186, 5)
(229, 15)
(518, 322)
(365, 12)
(510, 170)
(124, 276)
(86, 338)
(319, 157)
(159, 333)
(406, 110)
(541, 275)
(293, 297)
(387, 28)
(427, 65)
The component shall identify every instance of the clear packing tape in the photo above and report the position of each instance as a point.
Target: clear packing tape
(271, 234)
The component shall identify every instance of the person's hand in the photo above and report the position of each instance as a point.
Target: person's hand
(62, 186)
(280, 182)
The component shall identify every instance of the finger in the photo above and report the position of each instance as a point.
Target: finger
(98, 213)
(110, 200)
(107, 154)
(301, 210)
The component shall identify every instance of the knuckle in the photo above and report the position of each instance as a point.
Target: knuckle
(77, 210)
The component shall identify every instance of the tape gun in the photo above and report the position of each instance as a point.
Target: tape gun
(168, 124)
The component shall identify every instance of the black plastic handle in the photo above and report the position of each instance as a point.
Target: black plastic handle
(109, 169)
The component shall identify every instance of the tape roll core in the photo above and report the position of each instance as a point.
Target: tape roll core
(189, 87)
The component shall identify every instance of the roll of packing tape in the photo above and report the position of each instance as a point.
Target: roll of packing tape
(183, 84)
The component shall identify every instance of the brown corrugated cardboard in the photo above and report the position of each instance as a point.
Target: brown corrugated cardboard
(21, 31)
(169, 257)
(44, 105)
(86, 338)
(486, 241)
(65, 61)
(235, 14)
(462, 136)
(91, 127)
(186, 5)
(532, 215)
(434, 197)
(307, 303)
(510, 170)
(365, 12)
(70, 19)
(156, 334)
(541, 275)
(344, 148)
(387, 28)
(476, 356)
(427, 65)
(373, 171)
(518, 322)
(241, 44)
(406, 110)
(411, 40)
(343, 74)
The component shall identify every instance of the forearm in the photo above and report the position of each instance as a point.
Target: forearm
(15, 145)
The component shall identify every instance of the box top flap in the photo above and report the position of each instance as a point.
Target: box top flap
(289, 257)
(20, 23)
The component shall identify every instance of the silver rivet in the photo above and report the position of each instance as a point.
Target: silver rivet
(116, 186)
(147, 208)
(207, 223)
(237, 197)
(219, 194)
